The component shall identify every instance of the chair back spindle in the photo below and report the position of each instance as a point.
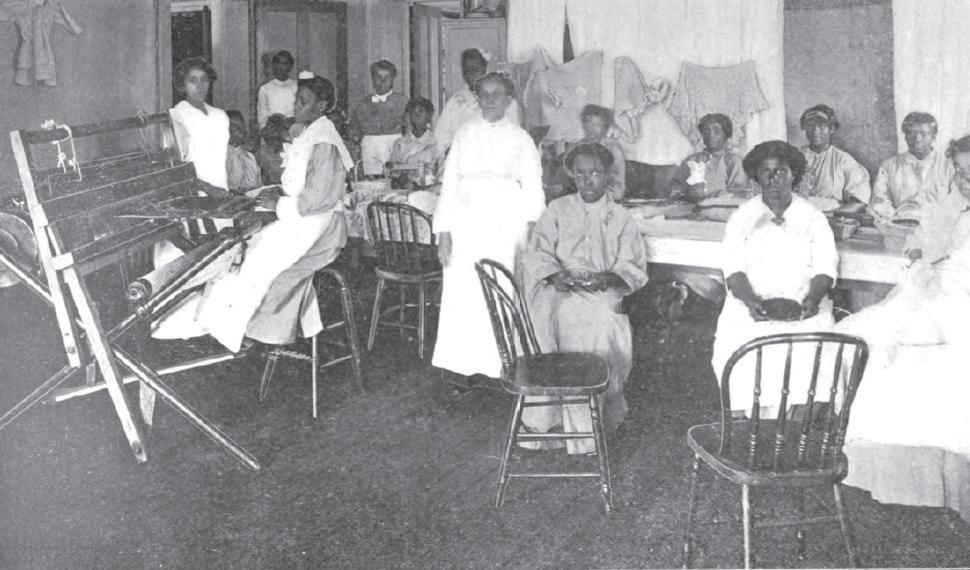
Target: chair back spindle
(813, 441)
(511, 323)
(403, 239)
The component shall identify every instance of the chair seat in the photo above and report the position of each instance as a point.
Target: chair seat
(391, 274)
(559, 374)
(705, 439)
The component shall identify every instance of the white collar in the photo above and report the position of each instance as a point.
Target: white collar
(375, 98)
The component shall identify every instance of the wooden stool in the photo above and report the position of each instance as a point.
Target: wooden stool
(349, 324)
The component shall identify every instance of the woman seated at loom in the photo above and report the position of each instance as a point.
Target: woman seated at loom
(584, 256)
(909, 437)
(270, 296)
(776, 246)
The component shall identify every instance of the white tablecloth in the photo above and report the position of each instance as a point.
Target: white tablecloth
(698, 244)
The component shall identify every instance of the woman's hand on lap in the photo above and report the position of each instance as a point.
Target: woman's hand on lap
(757, 309)
(562, 281)
(809, 307)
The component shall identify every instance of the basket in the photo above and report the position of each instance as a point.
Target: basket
(894, 235)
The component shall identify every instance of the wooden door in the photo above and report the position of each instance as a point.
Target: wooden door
(314, 31)
(425, 53)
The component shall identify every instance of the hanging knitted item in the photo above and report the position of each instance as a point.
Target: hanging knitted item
(565, 89)
(632, 97)
(733, 91)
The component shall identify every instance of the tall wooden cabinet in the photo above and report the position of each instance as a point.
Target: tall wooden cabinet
(436, 45)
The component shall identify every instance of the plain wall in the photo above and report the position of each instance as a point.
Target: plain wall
(840, 53)
(108, 71)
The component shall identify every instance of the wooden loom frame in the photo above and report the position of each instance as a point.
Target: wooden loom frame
(68, 294)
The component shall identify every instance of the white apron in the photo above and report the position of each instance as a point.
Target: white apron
(230, 301)
(375, 151)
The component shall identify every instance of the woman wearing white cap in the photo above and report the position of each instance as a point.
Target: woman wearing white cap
(832, 174)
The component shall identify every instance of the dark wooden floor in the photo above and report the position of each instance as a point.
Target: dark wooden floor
(397, 477)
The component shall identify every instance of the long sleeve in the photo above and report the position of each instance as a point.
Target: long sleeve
(448, 123)
(738, 180)
(354, 130)
(530, 171)
(881, 201)
(856, 181)
(450, 182)
(323, 189)
(631, 258)
(262, 106)
(541, 261)
(825, 256)
(733, 260)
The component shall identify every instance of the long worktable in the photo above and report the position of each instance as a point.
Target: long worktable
(698, 244)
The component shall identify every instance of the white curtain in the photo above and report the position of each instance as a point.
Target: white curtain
(931, 59)
(658, 35)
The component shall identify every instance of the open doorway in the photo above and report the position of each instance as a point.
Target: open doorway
(191, 36)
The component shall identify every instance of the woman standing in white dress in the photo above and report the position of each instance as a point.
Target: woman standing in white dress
(491, 196)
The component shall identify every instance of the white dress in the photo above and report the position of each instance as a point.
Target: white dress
(908, 440)
(274, 97)
(780, 261)
(203, 139)
(491, 191)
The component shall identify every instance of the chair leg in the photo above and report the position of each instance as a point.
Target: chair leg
(844, 524)
(350, 325)
(268, 371)
(315, 370)
(691, 504)
(599, 435)
(402, 292)
(746, 525)
(376, 314)
(503, 472)
(421, 318)
(800, 532)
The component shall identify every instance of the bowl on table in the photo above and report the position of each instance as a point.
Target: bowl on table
(843, 228)
(581, 278)
(781, 309)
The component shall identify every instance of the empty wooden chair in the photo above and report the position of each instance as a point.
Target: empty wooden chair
(350, 328)
(798, 449)
(562, 378)
(407, 254)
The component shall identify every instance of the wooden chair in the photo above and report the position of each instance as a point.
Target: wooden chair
(348, 324)
(407, 254)
(563, 377)
(783, 452)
